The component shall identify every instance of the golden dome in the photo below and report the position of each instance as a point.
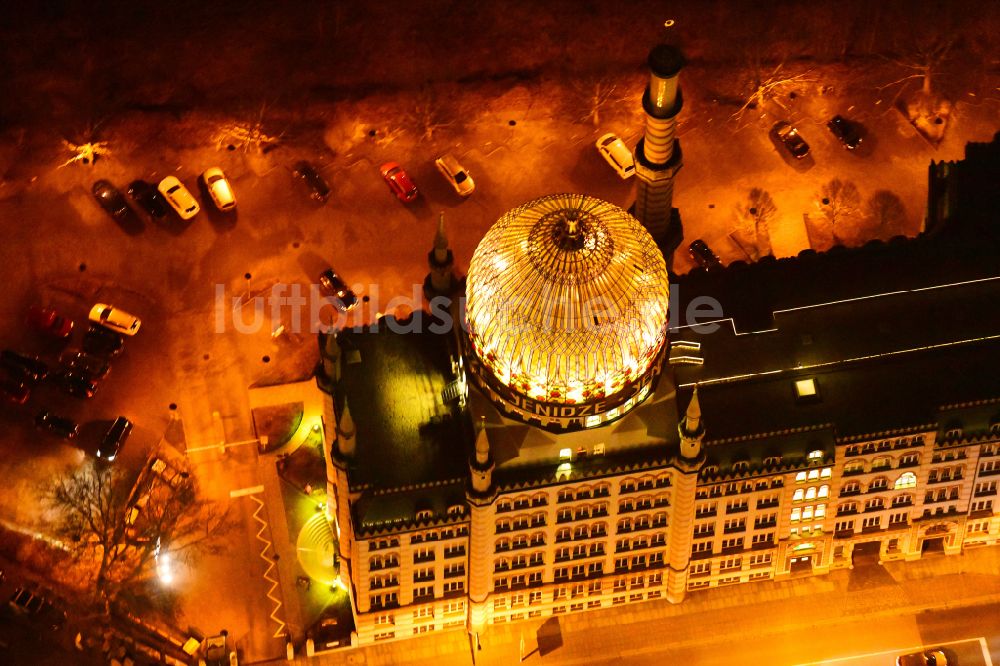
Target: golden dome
(567, 300)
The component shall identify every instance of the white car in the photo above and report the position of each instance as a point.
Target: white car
(178, 197)
(616, 153)
(219, 189)
(455, 174)
(115, 319)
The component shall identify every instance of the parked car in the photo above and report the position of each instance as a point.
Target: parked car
(103, 342)
(318, 187)
(616, 153)
(114, 439)
(14, 391)
(24, 366)
(399, 182)
(219, 189)
(57, 425)
(50, 322)
(115, 318)
(91, 365)
(790, 139)
(148, 198)
(333, 285)
(846, 131)
(110, 199)
(32, 604)
(179, 197)
(455, 174)
(77, 384)
(703, 255)
(329, 633)
(927, 658)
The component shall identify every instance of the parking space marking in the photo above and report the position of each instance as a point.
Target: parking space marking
(844, 660)
(242, 492)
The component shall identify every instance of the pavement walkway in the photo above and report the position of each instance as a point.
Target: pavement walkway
(742, 611)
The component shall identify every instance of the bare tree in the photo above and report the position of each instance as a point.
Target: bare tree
(885, 214)
(595, 95)
(246, 135)
(839, 201)
(429, 113)
(116, 529)
(754, 217)
(770, 87)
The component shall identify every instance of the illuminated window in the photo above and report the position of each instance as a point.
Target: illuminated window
(824, 491)
(826, 473)
(800, 477)
(820, 511)
(565, 453)
(796, 513)
(815, 455)
(906, 480)
(592, 421)
(798, 495)
(813, 474)
(807, 513)
(805, 388)
(811, 493)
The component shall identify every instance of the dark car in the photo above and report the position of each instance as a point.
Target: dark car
(149, 198)
(22, 365)
(110, 199)
(93, 366)
(928, 658)
(114, 439)
(703, 255)
(399, 182)
(77, 384)
(318, 187)
(48, 321)
(329, 633)
(790, 139)
(846, 131)
(58, 425)
(13, 391)
(103, 342)
(333, 285)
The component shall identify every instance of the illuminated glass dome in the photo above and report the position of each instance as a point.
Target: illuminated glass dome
(567, 300)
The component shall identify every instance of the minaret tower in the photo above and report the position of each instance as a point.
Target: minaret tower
(658, 153)
(685, 484)
(340, 508)
(480, 494)
(441, 279)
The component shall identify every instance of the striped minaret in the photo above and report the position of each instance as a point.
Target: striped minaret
(658, 153)
(685, 486)
(480, 495)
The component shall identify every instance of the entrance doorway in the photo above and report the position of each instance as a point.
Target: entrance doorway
(932, 545)
(866, 553)
(800, 564)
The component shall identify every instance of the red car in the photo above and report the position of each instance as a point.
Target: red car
(399, 182)
(48, 321)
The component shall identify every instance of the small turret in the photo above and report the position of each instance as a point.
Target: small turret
(481, 465)
(691, 429)
(346, 432)
(441, 280)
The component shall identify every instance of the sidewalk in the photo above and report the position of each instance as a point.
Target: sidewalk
(749, 609)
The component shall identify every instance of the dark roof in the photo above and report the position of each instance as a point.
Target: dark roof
(884, 362)
(406, 433)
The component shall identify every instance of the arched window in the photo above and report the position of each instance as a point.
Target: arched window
(854, 467)
(811, 493)
(813, 474)
(881, 462)
(800, 477)
(824, 491)
(798, 495)
(906, 480)
(741, 466)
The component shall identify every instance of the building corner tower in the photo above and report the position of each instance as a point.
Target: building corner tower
(480, 495)
(687, 464)
(441, 280)
(658, 153)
